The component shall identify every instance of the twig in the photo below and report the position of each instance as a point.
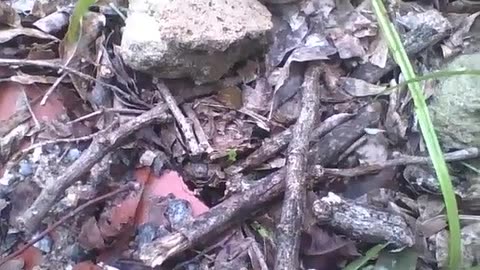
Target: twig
(361, 141)
(271, 146)
(102, 144)
(182, 121)
(105, 110)
(73, 213)
(463, 154)
(63, 140)
(52, 88)
(58, 66)
(343, 136)
(197, 126)
(291, 221)
(27, 103)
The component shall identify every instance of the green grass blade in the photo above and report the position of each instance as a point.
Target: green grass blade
(437, 75)
(428, 132)
(369, 255)
(73, 32)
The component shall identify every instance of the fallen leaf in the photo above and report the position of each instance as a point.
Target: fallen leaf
(54, 22)
(348, 46)
(257, 99)
(90, 236)
(8, 34)
(8, 15)
(360, 88)
(31, 257)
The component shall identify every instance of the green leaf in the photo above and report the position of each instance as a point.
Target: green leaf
(74, 27)
(371, 254)
(232, 155)
(433, 146)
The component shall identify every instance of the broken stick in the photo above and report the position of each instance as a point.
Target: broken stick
(271, 146)
(291, 221)
(106, 141)
(318, 171)
(185, 126)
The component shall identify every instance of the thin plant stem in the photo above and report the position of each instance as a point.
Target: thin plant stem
(433, 146)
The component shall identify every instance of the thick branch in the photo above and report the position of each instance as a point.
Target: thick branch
(289, 228)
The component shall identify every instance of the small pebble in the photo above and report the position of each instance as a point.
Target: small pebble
(73, 154)
(78, 254)
(178, 212)
(146, 233)
(25, 168)
(52, 149)
(45, 244)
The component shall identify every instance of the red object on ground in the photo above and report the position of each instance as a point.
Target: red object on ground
(170, 182)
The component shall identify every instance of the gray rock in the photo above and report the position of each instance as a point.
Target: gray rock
(274, 2)
(200, 39)
(73, 154)
(25, 168)
(454, 107)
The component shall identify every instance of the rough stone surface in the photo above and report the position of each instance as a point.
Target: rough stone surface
(200, 39)
(274, 2)
(455, 105)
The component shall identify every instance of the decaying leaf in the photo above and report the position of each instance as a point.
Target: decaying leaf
(360, 88)
(78, 47)
(8, 15)
(9, 34)
(90, 236)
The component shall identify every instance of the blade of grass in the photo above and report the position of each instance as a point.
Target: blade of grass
(72, 38)
(81, 7)
(399, 55)
(369, 255)
(436, 75)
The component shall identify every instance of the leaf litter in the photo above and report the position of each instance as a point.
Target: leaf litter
(210, 159)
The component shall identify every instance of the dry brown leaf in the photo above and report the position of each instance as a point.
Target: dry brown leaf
(90, 236)
(360, 88)
(8, 34)
(8, 15)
